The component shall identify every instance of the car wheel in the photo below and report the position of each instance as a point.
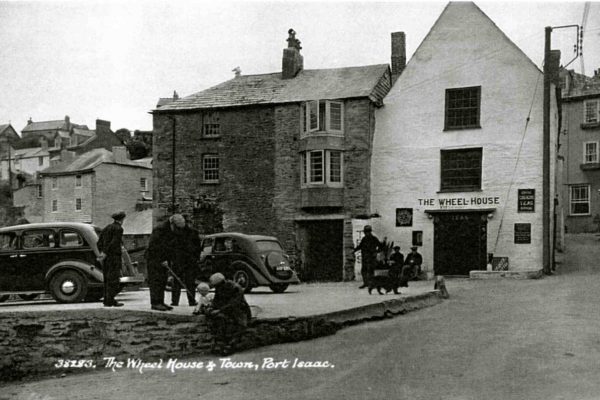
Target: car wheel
(29, 296)
(278, 287)
(94, 295)
(4, 297)
(242, 277)
(68, 286)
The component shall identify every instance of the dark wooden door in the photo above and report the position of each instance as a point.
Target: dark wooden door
(460, 243)
(323, 250)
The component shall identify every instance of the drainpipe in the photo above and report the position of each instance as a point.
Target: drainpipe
(173, 149)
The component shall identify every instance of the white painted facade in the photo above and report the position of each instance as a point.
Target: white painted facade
(463, 49)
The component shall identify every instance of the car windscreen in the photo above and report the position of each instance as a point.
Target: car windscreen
(268, 245)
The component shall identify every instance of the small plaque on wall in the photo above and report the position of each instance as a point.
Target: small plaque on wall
(417, 238)
(522, 233)
(526, 201)
(404, 216)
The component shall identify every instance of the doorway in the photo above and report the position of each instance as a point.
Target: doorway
(322, 250)
(460, 243)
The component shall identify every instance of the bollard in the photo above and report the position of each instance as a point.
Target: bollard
(440, 284)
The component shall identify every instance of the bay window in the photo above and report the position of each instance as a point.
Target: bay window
(322, 167)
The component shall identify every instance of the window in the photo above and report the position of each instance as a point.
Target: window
(591, 111)
(210, 167)
(462, 108)
(54, 205)
(223, 244)
(40, 161)
(461, 169)
(210, 125)
(322, 116)
(143, 184)
(54, 183)
(78, 204)
(38, 239)
(580, 200)
(70, 239)
(322, 167)
(8, 241)
(40, 191)
(78, 181)
(590, 152)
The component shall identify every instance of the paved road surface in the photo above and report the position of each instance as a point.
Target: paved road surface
(535, 339)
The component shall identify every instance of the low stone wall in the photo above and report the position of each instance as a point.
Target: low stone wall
(33, 343)
(528, 274)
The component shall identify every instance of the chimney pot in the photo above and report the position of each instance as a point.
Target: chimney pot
(292, 61)
(398, 54)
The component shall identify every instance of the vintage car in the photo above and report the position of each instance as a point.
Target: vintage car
(57, 258)
(249, 260)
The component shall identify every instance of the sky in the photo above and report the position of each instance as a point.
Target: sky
(112, 60)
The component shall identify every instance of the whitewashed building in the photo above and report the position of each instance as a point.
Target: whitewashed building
(457, 158)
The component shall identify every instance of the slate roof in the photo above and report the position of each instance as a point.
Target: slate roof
(163, 100)
(87, 161)
(49, 126)
(335, 83)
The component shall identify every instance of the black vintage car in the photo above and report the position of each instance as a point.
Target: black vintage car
(57, 258)
(249, 260)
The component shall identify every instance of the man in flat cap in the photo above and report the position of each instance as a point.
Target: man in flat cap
(109, 245)
(186, 253)
(369, 246)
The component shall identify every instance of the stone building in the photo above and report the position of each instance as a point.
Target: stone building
(92, 186)
(284, 154)
(458, 151)
(581, 149)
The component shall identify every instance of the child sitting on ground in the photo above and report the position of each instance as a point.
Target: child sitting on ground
(205, 299)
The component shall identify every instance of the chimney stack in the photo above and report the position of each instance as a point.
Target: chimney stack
(398, 54)
(67, 123)
(292, 62)
(44, 143)
(120, 154)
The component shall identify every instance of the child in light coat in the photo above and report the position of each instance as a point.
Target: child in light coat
(205, 300)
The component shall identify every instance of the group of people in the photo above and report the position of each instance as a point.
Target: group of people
(401, 268)
(174, 249)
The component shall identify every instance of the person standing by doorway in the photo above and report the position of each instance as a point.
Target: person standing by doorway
(368, 246)
(109, 245)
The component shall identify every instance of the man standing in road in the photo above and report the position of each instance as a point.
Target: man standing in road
(369, 246)
(109, 245)
(158, 255)
(186, 253)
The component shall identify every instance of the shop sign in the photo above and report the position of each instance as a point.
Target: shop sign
(526, 202)
(522, 233)
(461, 202)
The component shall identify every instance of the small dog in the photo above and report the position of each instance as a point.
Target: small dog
(383, 279)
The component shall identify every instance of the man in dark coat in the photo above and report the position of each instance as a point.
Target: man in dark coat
(158, 256)
(186, 253)
(412, 266)
(230, 312)
(396, 264)
(109, 245)
(369, 246)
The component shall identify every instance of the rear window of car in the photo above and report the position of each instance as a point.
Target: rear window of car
(38, 239)
(8, 241)
(268, 245)
(70, 238)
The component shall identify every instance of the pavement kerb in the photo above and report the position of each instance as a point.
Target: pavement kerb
(384, 309)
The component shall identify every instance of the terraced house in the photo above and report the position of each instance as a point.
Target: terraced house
(284, 154)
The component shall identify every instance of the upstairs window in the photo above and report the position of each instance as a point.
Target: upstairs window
(54, 183)
(54, 205)
(322, 167)
(461, 170)
(210, 168)
(463, 108)
(143, 184)
(40, 161)
(580, 200)
(78, 204)
(590, 152)
(322, 116)
(78, 181)
(40, 191)
(210, 125)
(591, 111)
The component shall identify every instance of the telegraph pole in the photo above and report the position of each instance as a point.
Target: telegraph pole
(546, 267)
